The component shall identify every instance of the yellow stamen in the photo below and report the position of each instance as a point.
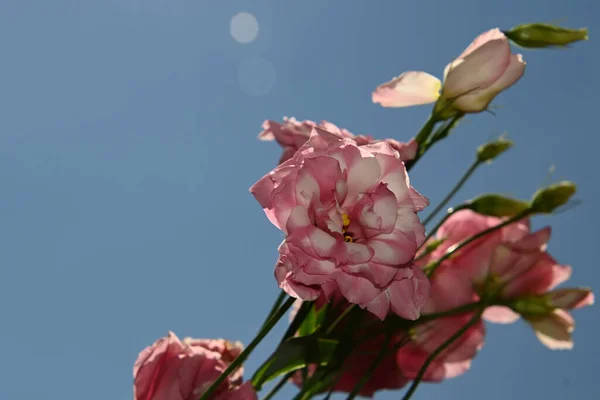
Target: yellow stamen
(345, 220)
(348, 239)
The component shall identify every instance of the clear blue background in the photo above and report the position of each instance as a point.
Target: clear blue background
(128, 144)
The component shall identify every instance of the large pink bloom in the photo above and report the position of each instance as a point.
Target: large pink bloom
(471, 81)
(174, 370)
(292, 134)
(349, 216)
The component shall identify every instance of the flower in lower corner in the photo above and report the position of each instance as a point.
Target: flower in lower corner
(292, 134)
(350, 218)
(471, 81)
(172, 369)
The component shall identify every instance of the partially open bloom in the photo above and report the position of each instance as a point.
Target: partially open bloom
(511, 268)
(171, 369)
(471, 81)
(292, 134)
(350, 219)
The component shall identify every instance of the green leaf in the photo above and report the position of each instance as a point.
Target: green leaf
(293, 354)
(313, 320)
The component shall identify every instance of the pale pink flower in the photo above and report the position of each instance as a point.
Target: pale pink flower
(292, 134)
(350, 219)
(471, 81)
(171, 369)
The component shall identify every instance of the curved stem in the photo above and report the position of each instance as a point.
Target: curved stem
(279, 385)
(454, 190)
(244, 355)
(437, 352)
(430, 269)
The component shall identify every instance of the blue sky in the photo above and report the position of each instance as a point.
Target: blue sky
(128, 144)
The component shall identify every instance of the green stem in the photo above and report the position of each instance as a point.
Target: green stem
(426, 144)
(339, 319)
(455, 311)
(279, 385)
(454, 190)
(244, 355)
(430, 269)
(365, 378)
(426, 130)
(276, 305)
(437, 352)
(422, 138)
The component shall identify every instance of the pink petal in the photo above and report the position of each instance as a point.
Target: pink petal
(355, 289)
(478, 70)
(500, 315)
(408, 89)
(570, 298)
(492, 34)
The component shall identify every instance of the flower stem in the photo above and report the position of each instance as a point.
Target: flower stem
(421, 138)
(244, 355)
(380, 356)
(437, 352)
(279, 385)
(455, 311)
(339, 319)
(430, 269)
(450, 195)
(275, 307)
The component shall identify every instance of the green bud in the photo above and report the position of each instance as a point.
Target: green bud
(531, 306)
(489, 151)
(545, 35)
(547, 200)
(495, 205)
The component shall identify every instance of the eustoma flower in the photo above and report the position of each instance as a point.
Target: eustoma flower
(471, 81)
(171, 369)
(292, 134)
(509, 268)
(350, 219)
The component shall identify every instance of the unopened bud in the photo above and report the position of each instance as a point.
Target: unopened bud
(549, 199)
(545, 35)
(489, 151)
(532, 306)
(494, 205)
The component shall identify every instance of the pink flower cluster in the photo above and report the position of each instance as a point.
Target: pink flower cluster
(510, 269)
(172, 369)
(350, 219)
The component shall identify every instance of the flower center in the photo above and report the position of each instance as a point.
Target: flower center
(345, 222)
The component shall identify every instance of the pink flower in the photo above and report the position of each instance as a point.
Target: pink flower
(174, 370)
(512, 268)
(471, 81)
(452, 362)
(350, 219)
(292, 134)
